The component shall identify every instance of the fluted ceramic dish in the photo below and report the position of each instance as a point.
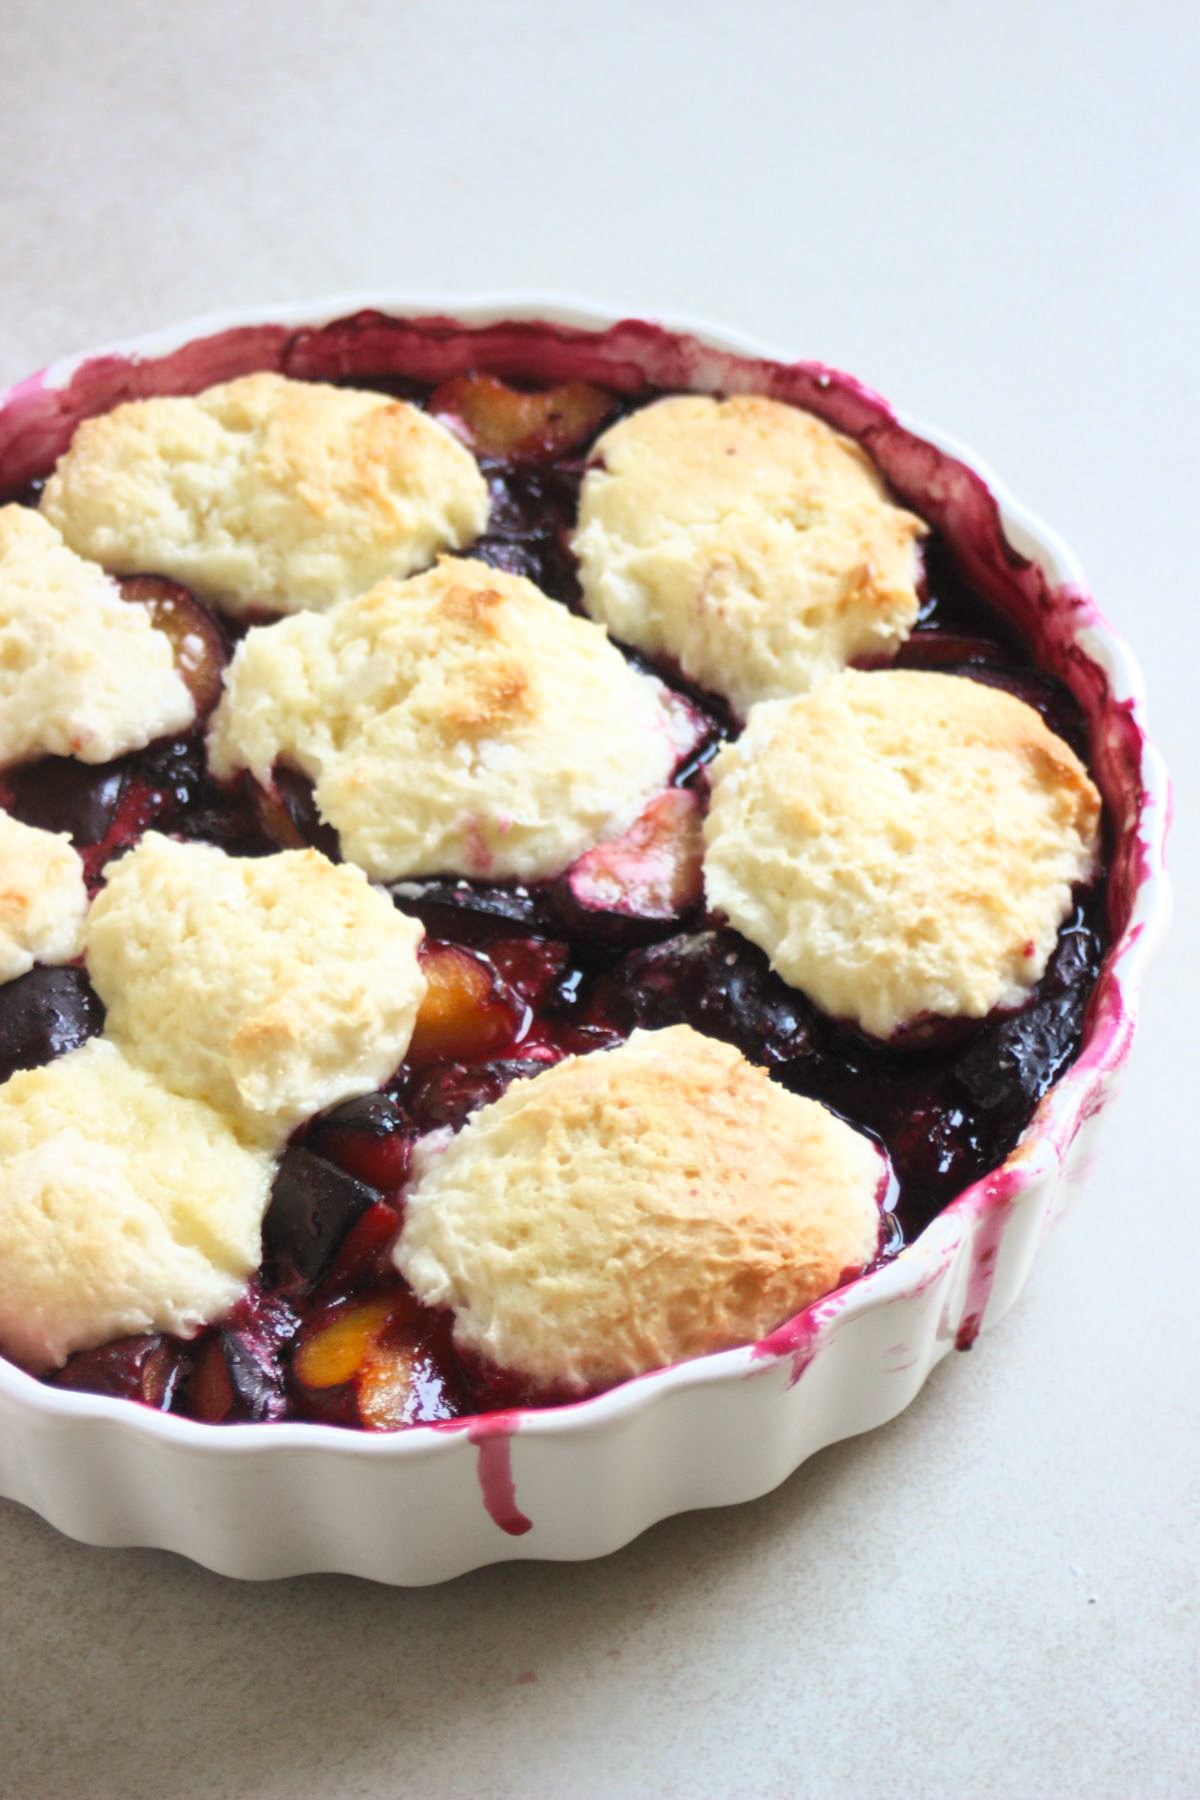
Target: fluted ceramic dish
(578, 1481)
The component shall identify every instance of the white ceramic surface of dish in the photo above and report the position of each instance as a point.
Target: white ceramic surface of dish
(420, 1506)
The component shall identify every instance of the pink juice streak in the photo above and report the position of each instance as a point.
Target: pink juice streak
(492, 1435)
(801, 1337)
(995, 1198)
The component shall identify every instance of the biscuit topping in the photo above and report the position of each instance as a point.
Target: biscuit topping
(267, 493)
(271, 987)
(42, 898)
(635, 1207)
(456, 723)
(900, 844)
(123, 1207)
(81, 673)
(746, 541)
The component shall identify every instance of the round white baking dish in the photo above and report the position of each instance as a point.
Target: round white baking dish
(268, 1500)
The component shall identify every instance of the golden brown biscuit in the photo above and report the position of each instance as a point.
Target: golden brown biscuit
(270, 987)
(456, 723)
(266, 492)
(900, 844)
(42, 898)
(634, 1207)
(123, 1208)
(746, 541)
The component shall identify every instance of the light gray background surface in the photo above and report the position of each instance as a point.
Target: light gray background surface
(985, 209)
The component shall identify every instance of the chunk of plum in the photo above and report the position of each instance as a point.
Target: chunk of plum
(58, 793)
(537, 559)
(45, 1014)
(498, 420)
(445, 1097)
(197, 641)
(364, 1256)
(633, 885)
(236, 1377)
(718, 984)
(1012, 1064)
(367, 1138)
(471, 910)
(145, 1368)
(1016, 1057)
(380, 1363)
(313, 1206)
(287, 812)
(535, 968)
(467, 1011)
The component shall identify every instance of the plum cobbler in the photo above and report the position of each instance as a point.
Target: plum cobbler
(507, 885)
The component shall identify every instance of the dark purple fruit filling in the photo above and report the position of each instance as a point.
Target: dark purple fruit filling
(444, 1097)
(60, 794)
(45, 1014)
(313, 1205)
(717, 983)
(368, 1137)
(148, 1368)
(521, 976)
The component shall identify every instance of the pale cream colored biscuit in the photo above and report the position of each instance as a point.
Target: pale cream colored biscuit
(82, 673)
(42, 898)
(748, 542)
(267, 493)
(456, 723)
(270, 987)
(634, 1207)
(123, 1208)
(900, 844)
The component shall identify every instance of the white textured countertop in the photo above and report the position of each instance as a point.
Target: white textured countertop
(984, 210)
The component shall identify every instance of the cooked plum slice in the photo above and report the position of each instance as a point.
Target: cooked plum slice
(717, 983)
(469, 909)
(535, 968)
(59, 794)
(331, 1352)
(236, 1377)
(145, 1368)
(375, 1363)
(467, 1012)
(287, 812)
(364, 1257)
(45, 1014)
(649, 877)
(313, 1205)
(196, 638)
(943, 650)
(365, 1137)
(495, 419)
(444, 1098)
(166, 788)
(539, 560)
(1015, 1059)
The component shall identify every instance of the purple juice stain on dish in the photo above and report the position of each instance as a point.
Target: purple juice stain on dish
(992, 1206)
(492, 1436)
